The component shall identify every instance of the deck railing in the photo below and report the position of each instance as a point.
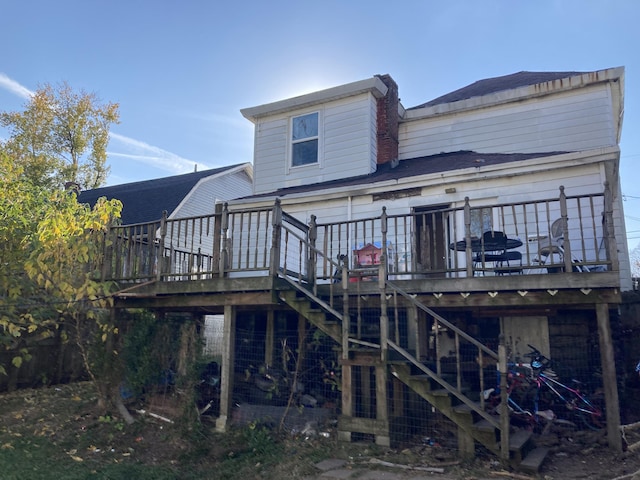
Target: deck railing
(424, 243)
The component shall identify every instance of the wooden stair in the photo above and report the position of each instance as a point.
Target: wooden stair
(326, 319)
(523, 455)
(468, 415)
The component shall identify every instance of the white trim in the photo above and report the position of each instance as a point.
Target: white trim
(373, 85)
(471, 174)
(247, 167)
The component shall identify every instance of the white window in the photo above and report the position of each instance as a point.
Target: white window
(304, 139)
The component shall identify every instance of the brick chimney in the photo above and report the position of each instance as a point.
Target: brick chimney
(387, 122)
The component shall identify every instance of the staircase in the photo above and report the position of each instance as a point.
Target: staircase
(473, 422)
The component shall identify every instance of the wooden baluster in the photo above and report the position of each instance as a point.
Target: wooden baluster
(467, 237)
(566, 244)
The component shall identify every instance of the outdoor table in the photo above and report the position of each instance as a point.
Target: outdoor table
(477, 245)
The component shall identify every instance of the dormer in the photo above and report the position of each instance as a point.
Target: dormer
(332, 134)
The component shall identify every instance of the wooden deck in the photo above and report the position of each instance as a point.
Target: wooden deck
(408, 272)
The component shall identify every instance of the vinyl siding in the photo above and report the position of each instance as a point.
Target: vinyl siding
(202, 199)
(571, 121)
(347, 145)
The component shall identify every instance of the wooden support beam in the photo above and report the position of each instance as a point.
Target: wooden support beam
(382, 409)
(609, 378)
(226, 369)
(269, 338)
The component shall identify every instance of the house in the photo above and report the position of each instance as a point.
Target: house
(180, 196)
(496, 219)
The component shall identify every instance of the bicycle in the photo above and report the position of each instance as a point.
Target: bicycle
(548, 396)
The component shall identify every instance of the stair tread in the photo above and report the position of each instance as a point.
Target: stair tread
(533, 461)
(484, 425)
(464, 408)
(440, 392)
(518, 439)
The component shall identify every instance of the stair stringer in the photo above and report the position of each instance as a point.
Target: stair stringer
(441, 399)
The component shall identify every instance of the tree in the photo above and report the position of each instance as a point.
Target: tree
(50, 269)
(22, 308)
(65, 262)
(634, 257)
(61, 137)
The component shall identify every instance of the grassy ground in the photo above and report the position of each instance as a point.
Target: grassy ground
(57, 433)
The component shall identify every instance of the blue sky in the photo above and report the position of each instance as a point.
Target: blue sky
(181, 71)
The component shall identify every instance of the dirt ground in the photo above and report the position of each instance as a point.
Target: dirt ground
(65, 417)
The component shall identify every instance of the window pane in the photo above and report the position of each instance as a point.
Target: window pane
(480, 221)
(305, 126)
(305, 153)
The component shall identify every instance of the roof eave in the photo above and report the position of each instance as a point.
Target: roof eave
(519, 167)
(613, 75)
(373, 85)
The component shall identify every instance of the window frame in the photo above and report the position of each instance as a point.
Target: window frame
(310, 138)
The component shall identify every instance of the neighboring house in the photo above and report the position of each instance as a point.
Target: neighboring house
(179, 196)
(347, 177)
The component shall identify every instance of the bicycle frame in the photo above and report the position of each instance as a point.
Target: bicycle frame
(536, 376)
(576, 401)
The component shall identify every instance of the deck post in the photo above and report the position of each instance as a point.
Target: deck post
(311, 254)
(217, 238)
(467, 237)
(609, 378)
(224, 232)
(226, 369)
(608, 230)
(345, 308)
(160, 244)
(566, 245)
(276, 238)
(504, 410)
(382, 285)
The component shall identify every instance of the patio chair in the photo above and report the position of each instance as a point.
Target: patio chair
(493, 249)
(550, 246)
(554, 245)
(508, 264)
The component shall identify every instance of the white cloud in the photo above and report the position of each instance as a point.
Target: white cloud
(14, 87)
(133, 149)
(152, 155)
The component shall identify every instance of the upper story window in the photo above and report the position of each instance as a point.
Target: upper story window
(304, 139)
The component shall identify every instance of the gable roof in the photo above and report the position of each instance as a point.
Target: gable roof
(497, 84)
(443, 162)
(145, 201)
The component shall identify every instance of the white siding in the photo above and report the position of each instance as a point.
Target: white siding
(572, 121)
(347, 146)
(202, 199)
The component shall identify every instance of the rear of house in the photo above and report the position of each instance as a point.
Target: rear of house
(375, 226)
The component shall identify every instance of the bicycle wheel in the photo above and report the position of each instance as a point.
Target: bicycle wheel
(591, 413)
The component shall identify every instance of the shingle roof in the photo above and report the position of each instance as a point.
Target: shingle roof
(146, 200)
(443, 162)
(497, 84)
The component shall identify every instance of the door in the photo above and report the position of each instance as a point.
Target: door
(431, 225)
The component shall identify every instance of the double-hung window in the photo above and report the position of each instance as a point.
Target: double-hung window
(304, 139)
